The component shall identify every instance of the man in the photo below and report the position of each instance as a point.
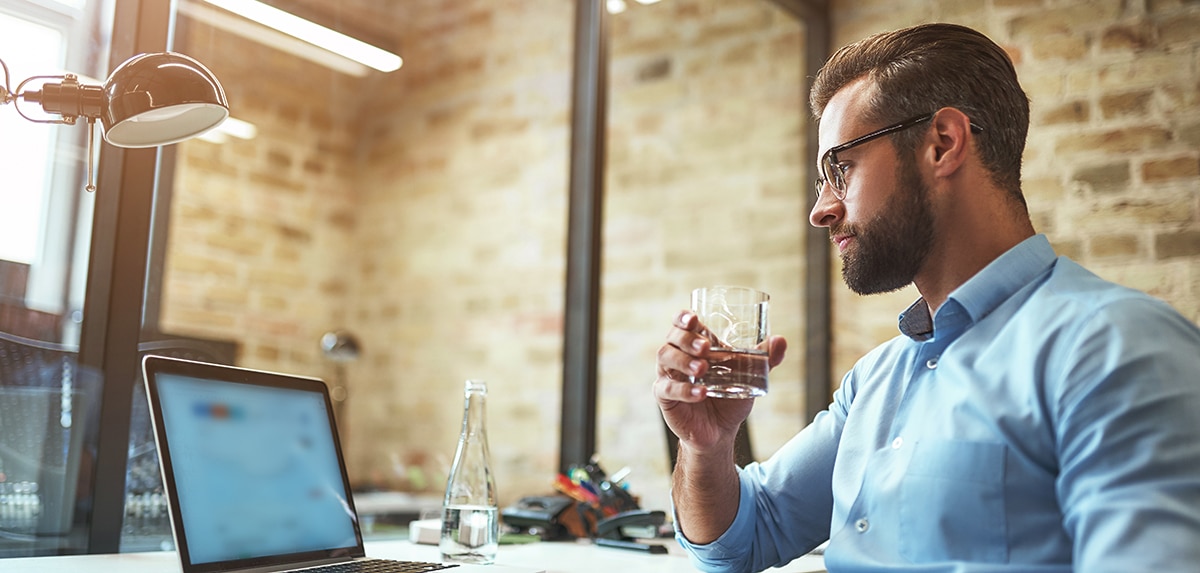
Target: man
(1029, 417)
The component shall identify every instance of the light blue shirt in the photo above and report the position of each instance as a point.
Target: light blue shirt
(1047, 420)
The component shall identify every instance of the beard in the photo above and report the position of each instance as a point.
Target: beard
(889, 250)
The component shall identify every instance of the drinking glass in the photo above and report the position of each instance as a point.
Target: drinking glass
(735, 321)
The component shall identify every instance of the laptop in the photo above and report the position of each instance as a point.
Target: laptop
(253, 471)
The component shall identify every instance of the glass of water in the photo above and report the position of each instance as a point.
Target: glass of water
(735, 320)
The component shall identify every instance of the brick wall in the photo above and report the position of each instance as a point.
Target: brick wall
(260, 229)
(461, 240)
(425, 210)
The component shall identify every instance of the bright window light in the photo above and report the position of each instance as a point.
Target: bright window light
(312, 33)
(26, 147)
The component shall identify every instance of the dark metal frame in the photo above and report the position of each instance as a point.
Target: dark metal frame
(581, 324)
(117, 278)
(818, 333)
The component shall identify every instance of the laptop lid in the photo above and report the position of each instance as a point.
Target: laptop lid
(252, 467)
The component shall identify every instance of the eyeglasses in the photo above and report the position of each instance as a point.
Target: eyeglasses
(834, 173)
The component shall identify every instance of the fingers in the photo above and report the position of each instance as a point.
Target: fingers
(674, 383)
(685, 350)
(776, 348)
(687, 327)
(676, 364)
(680, 358)
(669, 391)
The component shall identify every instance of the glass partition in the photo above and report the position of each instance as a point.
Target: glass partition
(48, 401)
(418, 212)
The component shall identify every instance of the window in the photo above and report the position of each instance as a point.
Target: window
(47, 401)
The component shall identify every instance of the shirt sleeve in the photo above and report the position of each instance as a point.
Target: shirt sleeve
(1128, 425)
(786, 502)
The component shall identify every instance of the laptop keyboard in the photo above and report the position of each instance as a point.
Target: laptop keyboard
(380, 566)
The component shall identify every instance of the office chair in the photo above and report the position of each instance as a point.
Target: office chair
(46, 400)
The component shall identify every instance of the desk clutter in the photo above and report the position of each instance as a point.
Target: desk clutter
(590, 504)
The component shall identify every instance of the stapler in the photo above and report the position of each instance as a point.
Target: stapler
(622, 529)
(544, 516)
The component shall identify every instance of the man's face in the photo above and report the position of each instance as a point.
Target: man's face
(892, 246)
(884, 225)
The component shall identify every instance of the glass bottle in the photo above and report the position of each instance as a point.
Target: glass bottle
(470, 515)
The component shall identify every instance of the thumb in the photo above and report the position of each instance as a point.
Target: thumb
(776, 349)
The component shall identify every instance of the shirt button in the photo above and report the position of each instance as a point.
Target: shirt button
(931, 363)
(862, 525)
(896, 443)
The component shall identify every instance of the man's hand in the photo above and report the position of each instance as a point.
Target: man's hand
(702, 424)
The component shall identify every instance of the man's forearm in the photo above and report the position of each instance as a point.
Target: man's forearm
(705, 492)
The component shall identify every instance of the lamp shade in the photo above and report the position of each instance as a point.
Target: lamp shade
(161, 98)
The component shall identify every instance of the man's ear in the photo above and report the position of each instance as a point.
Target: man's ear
(948, 142)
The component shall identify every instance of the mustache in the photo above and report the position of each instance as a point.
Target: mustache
(843, 229)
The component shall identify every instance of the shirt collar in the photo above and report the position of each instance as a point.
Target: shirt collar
(915, 321)
(985, 291)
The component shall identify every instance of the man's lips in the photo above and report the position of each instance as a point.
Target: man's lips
(841, 240)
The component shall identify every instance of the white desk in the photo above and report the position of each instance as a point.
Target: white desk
(555, 557)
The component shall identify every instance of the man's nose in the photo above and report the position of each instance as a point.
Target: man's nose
(827, 211)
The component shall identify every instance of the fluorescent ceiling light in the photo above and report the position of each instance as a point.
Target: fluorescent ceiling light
(312, 33)
(231, 127)
(647, 1)
(272, 38)
(238, 128)
(616, 6)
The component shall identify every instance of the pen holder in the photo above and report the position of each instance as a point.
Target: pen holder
(602, 508)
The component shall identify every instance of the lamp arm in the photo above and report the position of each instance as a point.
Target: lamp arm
(7, 95)
(36, 96)
(39, 96)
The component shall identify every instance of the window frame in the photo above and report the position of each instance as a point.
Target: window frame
(116, 278)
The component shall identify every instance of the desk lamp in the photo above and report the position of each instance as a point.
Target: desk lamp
(150, 99)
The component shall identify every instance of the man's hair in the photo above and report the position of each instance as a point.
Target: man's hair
(927, 67)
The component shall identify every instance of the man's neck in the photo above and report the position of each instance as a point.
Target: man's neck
(968, 239)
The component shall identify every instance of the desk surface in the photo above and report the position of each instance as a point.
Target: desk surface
(556, 557)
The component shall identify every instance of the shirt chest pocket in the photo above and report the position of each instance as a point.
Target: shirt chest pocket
(952, 502)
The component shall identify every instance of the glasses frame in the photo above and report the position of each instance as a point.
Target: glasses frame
(834, 173)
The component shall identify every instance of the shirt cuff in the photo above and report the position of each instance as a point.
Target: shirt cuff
(734, 541)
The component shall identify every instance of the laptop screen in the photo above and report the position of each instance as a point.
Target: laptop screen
(254, 469)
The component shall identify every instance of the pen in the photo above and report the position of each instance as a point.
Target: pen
(589, 487)
(654, 549)
(564, 485)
